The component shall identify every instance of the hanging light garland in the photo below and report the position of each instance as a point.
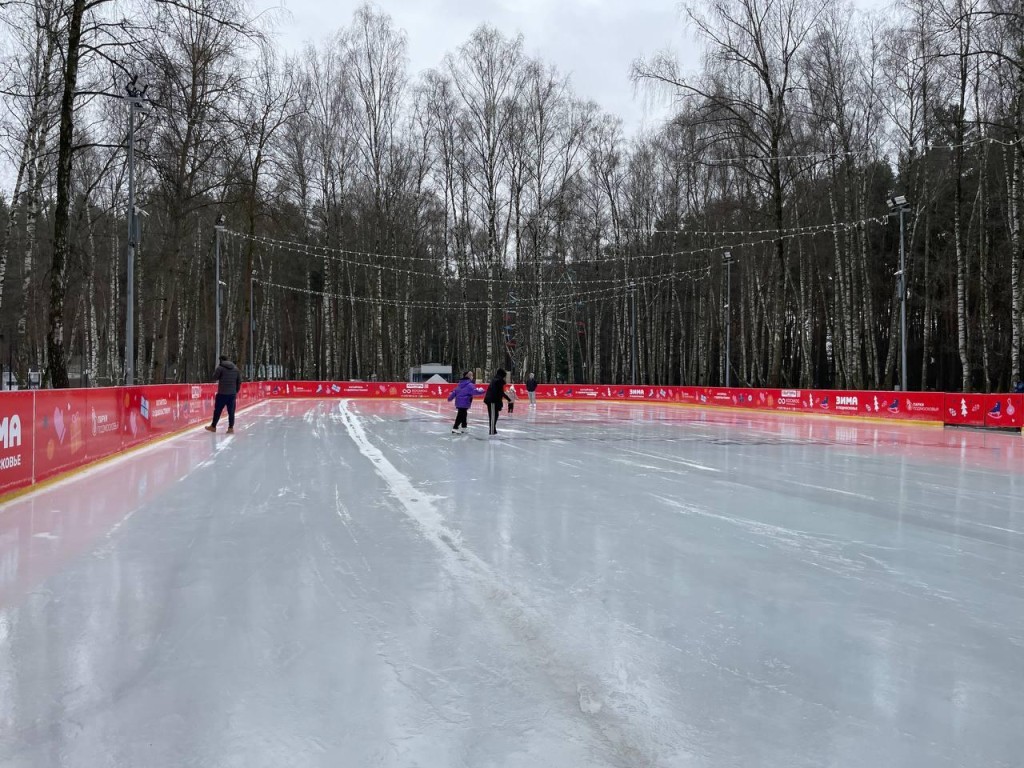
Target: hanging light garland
(338, 255)
(565, 300)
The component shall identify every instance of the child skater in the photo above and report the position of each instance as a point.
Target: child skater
(511, 392)
(463, 397)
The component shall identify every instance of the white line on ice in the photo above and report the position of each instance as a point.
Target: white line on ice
(608, 709)
(418, 505)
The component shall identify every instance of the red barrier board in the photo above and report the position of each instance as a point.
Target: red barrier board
(73, 427)
(105, 415)
(975, 410)
(106, 420)
(153, 411)
(17, 432)
(338, 389)
(60, 431)
(913, 406)
(899, 406)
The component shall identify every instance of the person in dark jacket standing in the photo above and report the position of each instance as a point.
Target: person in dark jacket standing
(492, 399)
(229, 382)
(531, 388)
(463, 397)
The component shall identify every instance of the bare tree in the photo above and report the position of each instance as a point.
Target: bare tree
(377, 60)
(750, 74)
(268, 104)
(199, 67)
(486, 73)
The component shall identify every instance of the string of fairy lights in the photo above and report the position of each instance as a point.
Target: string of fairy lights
(772, 234)
(579, 292)
(354, 258)
(982, 140)
(566, 298)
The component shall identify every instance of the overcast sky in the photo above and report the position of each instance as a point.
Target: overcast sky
(594, 41)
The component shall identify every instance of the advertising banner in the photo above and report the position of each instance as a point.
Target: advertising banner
(61, 426)
(104, 422)
(911, 406)
(914, 406)
(17, 430)
(161, 409)
(975, 410)
(338, 389)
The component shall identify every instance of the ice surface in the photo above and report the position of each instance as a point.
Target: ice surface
(348, 584)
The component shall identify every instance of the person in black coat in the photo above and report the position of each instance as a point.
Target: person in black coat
(229, 382)
(492, 399)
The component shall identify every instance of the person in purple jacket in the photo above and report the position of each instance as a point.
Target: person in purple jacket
(463, 397)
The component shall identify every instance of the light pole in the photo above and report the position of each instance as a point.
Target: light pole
(252, 328)
(727, 259)
(218, 228)
(634, 355)
(136, 98)
(898, 206)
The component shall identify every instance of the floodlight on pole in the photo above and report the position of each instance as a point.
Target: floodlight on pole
(252, 328)
(727, 260)
(218, 227)
(135, 90)
(898, 206)
(635, 343)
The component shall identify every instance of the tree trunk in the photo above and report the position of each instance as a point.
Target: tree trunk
(57, 371)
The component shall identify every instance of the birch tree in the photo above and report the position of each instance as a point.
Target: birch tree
(486, 73)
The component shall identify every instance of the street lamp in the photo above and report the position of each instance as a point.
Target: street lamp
(252, 328)
(727, 260)
(898, 206)
(136, 98)
(634, 355)
(218, 228)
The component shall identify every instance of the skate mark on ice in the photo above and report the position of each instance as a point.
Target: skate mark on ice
(626, 723)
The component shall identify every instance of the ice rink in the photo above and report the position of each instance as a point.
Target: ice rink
(348, 584)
